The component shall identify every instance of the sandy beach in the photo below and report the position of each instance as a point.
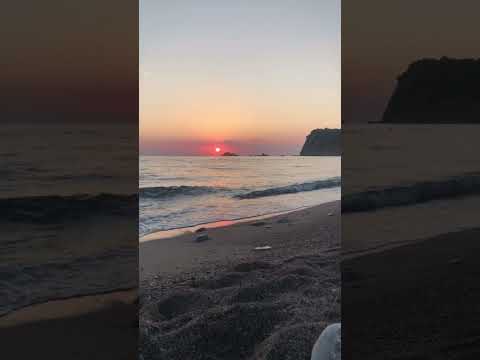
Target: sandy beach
(375, 231)
(416, 301)
(98, 327)
(409, 281)
(222, 299)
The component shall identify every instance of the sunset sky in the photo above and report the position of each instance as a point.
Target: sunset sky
(87, 72)
(245, 76)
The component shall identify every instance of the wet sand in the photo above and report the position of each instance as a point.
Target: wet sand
(221, 299)
(410, 281)
(96, 327)
(376, 231)
(417, 301)
(410, 269)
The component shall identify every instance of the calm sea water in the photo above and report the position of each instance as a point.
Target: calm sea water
(179, 191)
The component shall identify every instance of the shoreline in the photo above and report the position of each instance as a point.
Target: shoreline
(170, 256)
(29, 312)
(170, 233)
(75, 327)
(67, 307)
(384, 229)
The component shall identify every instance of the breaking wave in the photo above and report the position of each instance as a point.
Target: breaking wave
(291, 189)
(46, 209)
(412, 194)
(160, 192)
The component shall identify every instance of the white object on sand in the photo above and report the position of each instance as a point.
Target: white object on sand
(329, 214)
(262, 248)
(329, 344)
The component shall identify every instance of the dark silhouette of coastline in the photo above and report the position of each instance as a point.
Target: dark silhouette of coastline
(323, 142)
(436, 91)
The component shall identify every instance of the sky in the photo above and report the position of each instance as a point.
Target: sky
(245, 76)
(381, 38)
(70, 62)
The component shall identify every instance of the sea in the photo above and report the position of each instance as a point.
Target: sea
(68, 211)
(67, 220)
(72, 212)
(178, 192)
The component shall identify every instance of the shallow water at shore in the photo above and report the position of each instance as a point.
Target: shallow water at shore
(178, 192)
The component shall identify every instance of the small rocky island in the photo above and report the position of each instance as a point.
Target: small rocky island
(323, 142)
(229, 154)
(436, 91)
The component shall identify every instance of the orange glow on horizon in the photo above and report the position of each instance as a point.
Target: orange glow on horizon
(214, 148)
(264, 92)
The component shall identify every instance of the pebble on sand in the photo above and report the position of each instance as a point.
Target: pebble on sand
(202, 237)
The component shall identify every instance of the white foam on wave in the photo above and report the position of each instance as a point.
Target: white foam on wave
(294, 188)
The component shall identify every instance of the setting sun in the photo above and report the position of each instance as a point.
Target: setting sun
(262, 93)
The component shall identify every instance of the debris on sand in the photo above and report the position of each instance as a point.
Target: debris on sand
(328, 344)
(261, 248)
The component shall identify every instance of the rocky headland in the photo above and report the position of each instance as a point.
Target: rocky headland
(436, 91)
(323, 142)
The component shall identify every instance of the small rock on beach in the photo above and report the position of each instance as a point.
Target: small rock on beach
(202, 237)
